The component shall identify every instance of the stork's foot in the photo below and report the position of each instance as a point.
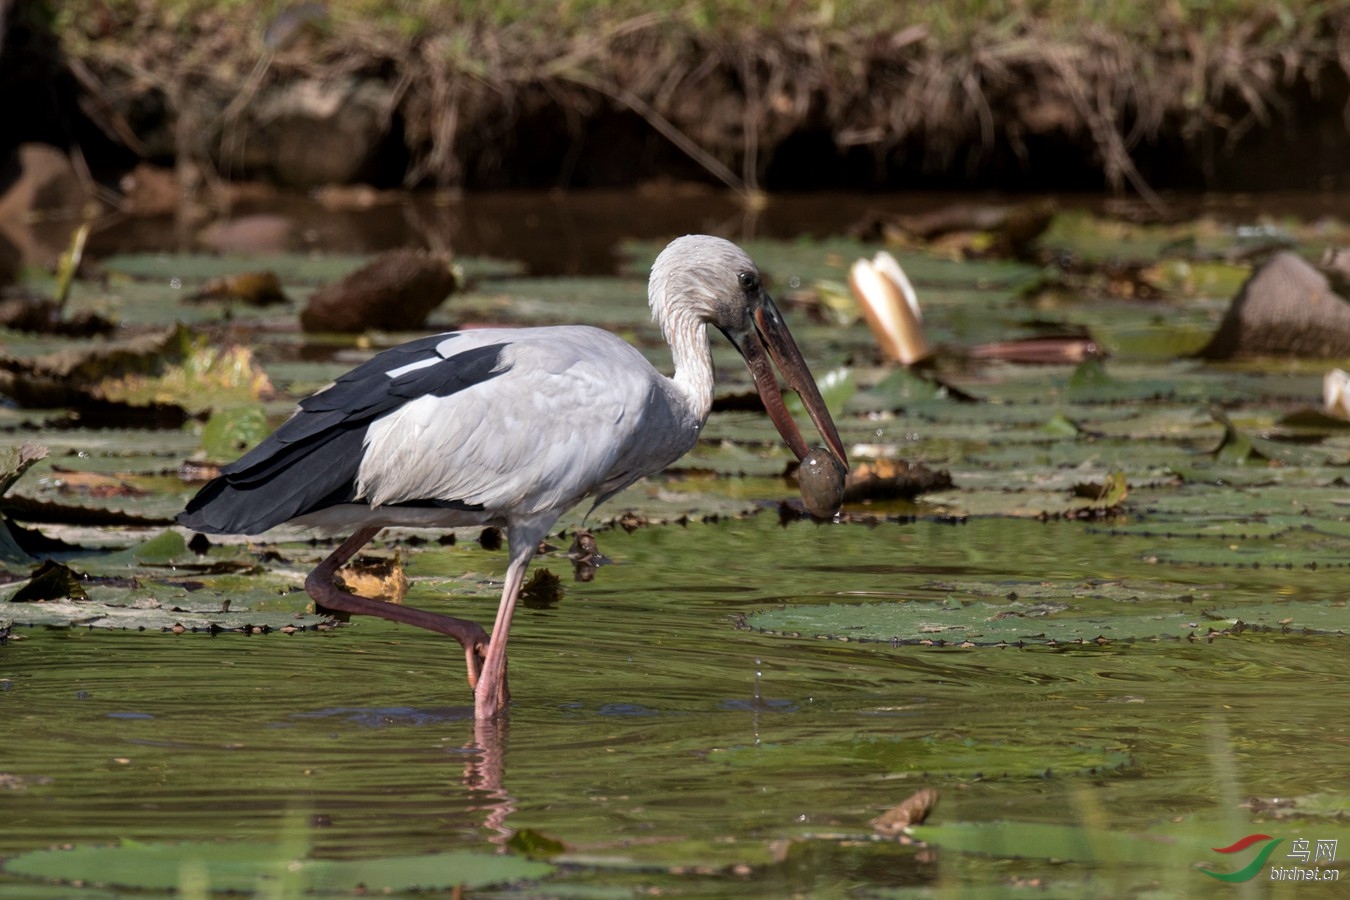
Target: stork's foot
(470, 635)
(490, 699)
(327, 595)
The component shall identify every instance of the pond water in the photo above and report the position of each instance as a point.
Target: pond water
(667, 748)
(1100, 696)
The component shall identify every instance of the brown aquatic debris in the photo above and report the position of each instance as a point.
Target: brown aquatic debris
(910, 811)
(585, 555)
(93, 484)
(23, 311)
(262, 288)
(889, 479)
(1064, 349)
(1007, 230)
(1286, 308)
(542, 591)
(382, 579)
(396, 291)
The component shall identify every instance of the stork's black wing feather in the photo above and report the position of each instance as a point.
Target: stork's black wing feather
(311, 461)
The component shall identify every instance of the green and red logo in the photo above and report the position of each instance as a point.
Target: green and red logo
(1247, 872)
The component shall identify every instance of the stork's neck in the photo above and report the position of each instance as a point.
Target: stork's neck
(688, 337)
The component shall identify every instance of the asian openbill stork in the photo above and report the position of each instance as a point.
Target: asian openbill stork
(509, 427)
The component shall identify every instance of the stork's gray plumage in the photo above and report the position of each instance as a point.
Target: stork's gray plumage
(507, 427)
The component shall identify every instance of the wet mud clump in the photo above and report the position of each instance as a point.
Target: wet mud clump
(394, 292)
(1286, 308)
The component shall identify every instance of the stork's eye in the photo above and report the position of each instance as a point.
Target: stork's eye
(749, 281)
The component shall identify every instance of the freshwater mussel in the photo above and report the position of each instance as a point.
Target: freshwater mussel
(821, 480)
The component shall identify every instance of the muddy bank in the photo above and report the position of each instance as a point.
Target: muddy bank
(312, 96)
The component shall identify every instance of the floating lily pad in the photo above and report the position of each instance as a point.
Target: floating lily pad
(1321, 805)
(1279, 551)
(1202, 527)
(1047, 621)
(14, 461)
(174, 368)
(944, 757)
(252, 867)
(137, 610)
(1037, 840)
(1184, 845)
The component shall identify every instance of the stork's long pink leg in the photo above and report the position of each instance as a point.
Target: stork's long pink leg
(319, 585)
(491, 694)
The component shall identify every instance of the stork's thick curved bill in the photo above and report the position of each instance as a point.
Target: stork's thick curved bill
(771, 334)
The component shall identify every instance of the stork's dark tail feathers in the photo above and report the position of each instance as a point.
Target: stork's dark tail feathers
(277, 481)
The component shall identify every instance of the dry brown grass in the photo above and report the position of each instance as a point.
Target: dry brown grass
(953, 79)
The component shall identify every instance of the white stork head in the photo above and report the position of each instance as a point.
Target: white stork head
(699, 280)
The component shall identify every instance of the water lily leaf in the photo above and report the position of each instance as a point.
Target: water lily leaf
(11, 551)
(138, 610)
(194, 268)
(229, 432)
(946, 757)
(14, 461)
(290, 268)
(904, 387)
(1315, 421)
(251, 867)
(655, 501)
(165, 548)
(174, 367)
(1240, 446)
(1284, 550)
(30, 510)
(1322, 805)
(836, 386)
(1061, 425)
(438, 872)
(51, 581)
(733, 444)
(1090, 374)
(1037, 840)
(1122, 590)
(1091, 383)
(1109, 492)
(1236, 448)
(535, 844)
(1047, 621)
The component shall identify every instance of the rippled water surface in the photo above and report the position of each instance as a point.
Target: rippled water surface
(664, 746)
